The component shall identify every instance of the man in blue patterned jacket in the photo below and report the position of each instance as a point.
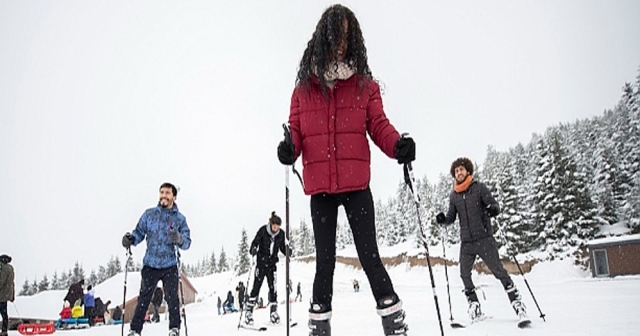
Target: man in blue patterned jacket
(164, 228)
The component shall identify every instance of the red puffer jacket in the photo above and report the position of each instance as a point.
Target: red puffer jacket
(331, 134)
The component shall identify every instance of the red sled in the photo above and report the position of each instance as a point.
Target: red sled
(36, 329)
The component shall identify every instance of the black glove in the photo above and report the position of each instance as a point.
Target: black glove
(127, 240)
(175, 237)
(286, 153)
(253, 251)
(405, 150)
(440, 218)
(493, 210)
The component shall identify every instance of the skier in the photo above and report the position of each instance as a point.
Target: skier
(156, 301)
(165, 228)
(336, 103)
(298, 293)
(7, 290)
(472, 202)
(265, 246)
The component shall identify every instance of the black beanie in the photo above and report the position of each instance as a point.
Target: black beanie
(5, 259)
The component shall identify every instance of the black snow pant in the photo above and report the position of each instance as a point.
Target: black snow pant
(487, 250)
(270, 272)
(170, 282)
(5, 316)
(360, 212)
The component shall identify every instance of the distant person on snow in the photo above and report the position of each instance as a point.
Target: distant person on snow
(76, 311)
(228, 304)
(335, 105)
(299, 293)
(7, 290)
(472, 202)
(356, 285)
(265, 246)
(156, 301)
(76, 291)
(165, 229)
(89, 304)
(240, 289)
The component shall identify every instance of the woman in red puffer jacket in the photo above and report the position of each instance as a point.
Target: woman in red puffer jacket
(335, 104)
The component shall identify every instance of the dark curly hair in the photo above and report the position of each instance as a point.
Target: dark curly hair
(466, 163)
(323, 46)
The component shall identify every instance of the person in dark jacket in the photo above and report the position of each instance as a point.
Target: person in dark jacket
(240, 289)
(335, 105)
(228, 305)
(265, 246)
(7, 290)
(472, 203)
(156, 301)
(219, 306)
(166, 231)
(75, 292)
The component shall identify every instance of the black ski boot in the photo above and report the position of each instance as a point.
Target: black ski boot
(516, 301)
(274, 317)
(319, 320)
(390, 309)
(474, 310)
(248, 314)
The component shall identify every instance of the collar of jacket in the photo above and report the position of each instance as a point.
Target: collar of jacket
(173, 209)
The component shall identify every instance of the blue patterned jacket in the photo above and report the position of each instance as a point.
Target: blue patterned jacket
(155, 224)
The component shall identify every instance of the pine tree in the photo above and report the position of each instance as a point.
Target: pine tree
(223, 265)
(25, 288)
(33, 288)
(55, 282)
(93, 278)
(78, 273)
(244, 260)
(43, 285)
(213, 265)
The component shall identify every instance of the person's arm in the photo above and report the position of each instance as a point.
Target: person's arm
(488, 200)
(141, 230)
(451, 213)
(255, 244)
(185, 232)
(383, 134)
(294, 123)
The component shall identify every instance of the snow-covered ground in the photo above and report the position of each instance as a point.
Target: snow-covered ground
(574, 303)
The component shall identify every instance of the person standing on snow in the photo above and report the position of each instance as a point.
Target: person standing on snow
(472, 202)
(265, 246)
(164, 228)
(156, 302)
(336, 103)
(7, 290)
(75, 292)
(89, 305)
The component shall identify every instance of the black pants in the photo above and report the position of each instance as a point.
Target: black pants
(487, 250)
(5, 316)
(361, 215)
(260, 273)
(150, 278)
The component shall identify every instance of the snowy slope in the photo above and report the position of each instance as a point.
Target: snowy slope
(575, 304)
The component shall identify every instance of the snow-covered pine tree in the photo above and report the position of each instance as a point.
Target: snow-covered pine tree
(93, 278)
(223, 265)
(306, 245)
(54, 281)
(213, 265)
(33, 288)
(244, 260)
(25, 288)
(43, 285)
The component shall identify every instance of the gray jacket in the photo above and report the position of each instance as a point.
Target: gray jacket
(471, 208)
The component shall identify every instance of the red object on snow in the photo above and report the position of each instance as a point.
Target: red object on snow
(36, 329)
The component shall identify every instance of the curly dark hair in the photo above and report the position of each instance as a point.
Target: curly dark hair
(463, 161)
(323, 46)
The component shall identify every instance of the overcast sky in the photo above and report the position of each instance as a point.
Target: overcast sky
(102, 101)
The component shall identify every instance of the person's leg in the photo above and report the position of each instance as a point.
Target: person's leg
(324, 217)
(271, 282)
(258, 277)
(5, 316)
(150, 277)
(467, 258)
(171, 283)
(361, 215)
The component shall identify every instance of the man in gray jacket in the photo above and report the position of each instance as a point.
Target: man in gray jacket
(472, 202)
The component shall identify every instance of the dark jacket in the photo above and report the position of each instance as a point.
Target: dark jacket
(7, 286)
(117, 313)
(331, 134)
(229, 300)
(266, 245)
(158, 295)
(75, 293)
(99, 307)
(470, 206)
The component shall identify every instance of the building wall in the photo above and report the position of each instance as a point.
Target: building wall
(624, 259)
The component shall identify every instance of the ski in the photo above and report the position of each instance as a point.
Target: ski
(250, 327)
(524, 323)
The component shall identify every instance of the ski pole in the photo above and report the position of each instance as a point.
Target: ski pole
(247, 289)
(453, 324)
(124, 296)
(182, 309)
(288, 141)
(504, 239)
(410, 180)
